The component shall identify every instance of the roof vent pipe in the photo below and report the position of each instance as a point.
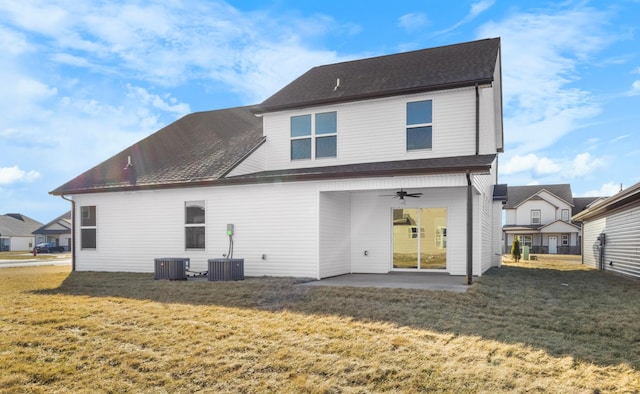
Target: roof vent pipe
(337, 84)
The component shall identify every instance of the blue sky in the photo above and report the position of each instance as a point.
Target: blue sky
(82, 80)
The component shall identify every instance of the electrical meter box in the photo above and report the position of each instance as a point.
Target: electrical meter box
(229, 229)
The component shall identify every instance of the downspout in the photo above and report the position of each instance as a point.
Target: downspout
(469, 231)
(477, 120)
(73, 231)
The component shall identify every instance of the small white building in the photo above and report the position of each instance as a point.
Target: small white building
(369, 166)
(16, 232)
(611, 229)
(57, 232)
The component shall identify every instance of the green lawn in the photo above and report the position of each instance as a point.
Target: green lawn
(543, 326)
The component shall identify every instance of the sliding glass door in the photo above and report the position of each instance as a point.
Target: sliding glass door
(419, 238)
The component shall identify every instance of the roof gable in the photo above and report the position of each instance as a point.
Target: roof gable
(409, 72)
(520, 194)
(199, 147)
(13, 224)
(559, 226)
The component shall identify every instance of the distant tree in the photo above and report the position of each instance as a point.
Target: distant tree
(515, 249)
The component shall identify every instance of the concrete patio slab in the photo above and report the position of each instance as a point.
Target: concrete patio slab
(402, 280)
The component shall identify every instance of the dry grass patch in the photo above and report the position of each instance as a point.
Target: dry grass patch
(544, 326)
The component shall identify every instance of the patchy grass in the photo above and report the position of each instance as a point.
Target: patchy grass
(540, 326)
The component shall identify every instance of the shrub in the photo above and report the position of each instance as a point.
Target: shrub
(515, 249)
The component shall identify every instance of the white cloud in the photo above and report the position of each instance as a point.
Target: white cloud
(155, 101)
(479, 7)
(529, 163)
(619, 138)
(412, 21)
(539, 167)
(635, 88)
(9, 175)
(583, 164)
(475, 10)
(606, 190)
(541, 54)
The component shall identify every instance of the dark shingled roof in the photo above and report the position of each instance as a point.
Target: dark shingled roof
(518, 194)
(202, 146)
(442, 165)
(410, 72)
(581, 203)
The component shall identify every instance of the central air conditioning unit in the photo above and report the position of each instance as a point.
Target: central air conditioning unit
(171, 268)
(226, 269)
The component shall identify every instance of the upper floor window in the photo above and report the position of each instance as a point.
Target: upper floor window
(88, 227)
(419, 125)
(535, 216)
(194, 223)
(314, 137)
(565, 215)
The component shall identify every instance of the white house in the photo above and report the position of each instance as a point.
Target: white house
(16, 232)
(611, 229)
(57, 231)
(540, 216)
(369, 166)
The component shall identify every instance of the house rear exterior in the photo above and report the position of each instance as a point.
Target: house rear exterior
(370, 166)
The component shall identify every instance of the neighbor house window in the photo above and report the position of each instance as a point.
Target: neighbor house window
(535, 216)
(565, 239)
(525, 240)
(419, 125)
(314, 137)
(565, 215)
(88, 227)
(194, 224)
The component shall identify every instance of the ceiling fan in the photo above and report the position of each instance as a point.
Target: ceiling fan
(401, 194)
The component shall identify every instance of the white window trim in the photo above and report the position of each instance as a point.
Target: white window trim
(539, 217)
(200, 204)
(313, 136)
(83, 227)
(417, 125)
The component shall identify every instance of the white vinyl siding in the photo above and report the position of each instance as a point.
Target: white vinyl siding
(251, 164)
(306, 229)
(335, 234)
(282, 224)
(590, 250)
(622, 247)
(375, 130)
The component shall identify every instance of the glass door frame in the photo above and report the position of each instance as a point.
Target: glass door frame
(420, 232)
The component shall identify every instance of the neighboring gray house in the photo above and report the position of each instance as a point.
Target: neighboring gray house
(16, 232)
(315, 178)
(57, 231)
(540, 216)
(611, 229)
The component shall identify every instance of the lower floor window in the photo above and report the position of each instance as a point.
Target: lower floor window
(88, 237)
(194, 237)
(565, 239)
